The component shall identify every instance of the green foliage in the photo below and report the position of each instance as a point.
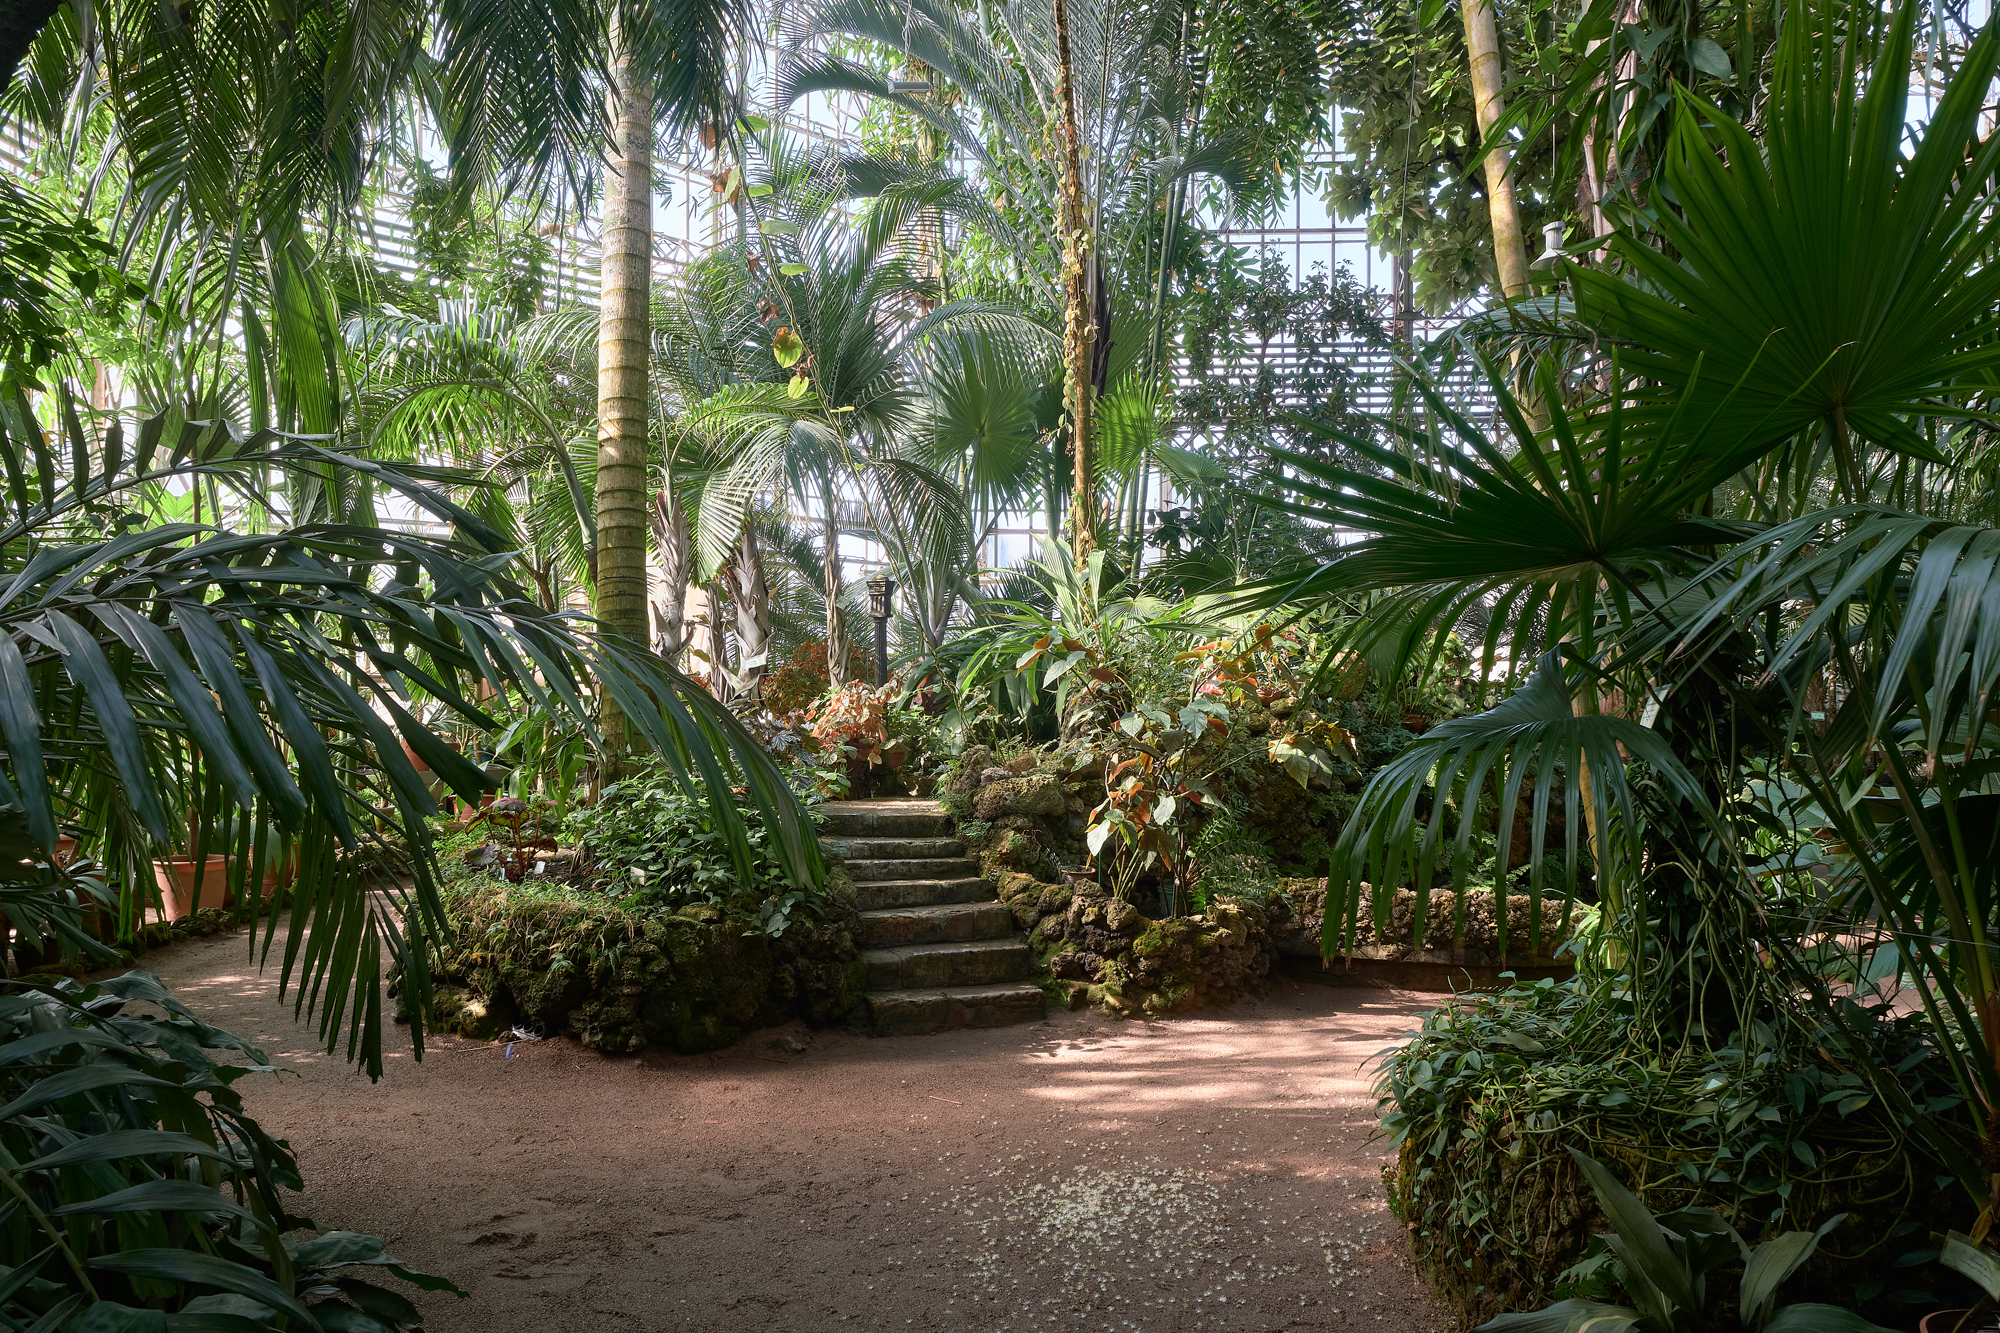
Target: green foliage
(1667, 1262)
(54, 264)
(138, 1184)
(650, 842)
(1775, 1126)
(151, 670)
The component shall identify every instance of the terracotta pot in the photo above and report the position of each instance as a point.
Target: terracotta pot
(176, 878)
(1948, 1321)
(416, 761)
(279, 871)
(895, 755)
(101, 923)
(1415, 722)
(65, 851)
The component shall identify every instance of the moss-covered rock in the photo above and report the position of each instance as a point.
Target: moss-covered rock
(1104, 949)
(1038, 793)
(1443, 942)
(622, 979)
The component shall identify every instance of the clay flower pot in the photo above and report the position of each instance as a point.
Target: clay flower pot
(279, 870)
(65, 851)
(416, 760)
(176, 878)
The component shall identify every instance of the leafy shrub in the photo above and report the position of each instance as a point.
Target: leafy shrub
(140, 1191)
(802, 677)
(1666, 1264)
(1769, 1129)
(648, 841)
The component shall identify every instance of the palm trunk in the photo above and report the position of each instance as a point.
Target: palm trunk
(1482, 44)
(750, 598)
(622, 354)
(1079, 333)
(676, 549)
(830, 584)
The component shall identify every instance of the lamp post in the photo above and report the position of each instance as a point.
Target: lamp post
(881, 589)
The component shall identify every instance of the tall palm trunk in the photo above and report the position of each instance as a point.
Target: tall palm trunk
(1482, 44)
(624, 297)
(830, 584)
(1079, 333)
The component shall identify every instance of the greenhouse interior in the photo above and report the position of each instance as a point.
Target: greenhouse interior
(999, 667)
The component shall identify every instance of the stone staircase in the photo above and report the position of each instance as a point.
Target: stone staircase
(941, 948)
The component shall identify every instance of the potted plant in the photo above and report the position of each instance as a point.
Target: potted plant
(196, 881)
(191, 884)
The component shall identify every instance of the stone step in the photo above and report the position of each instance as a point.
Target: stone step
(886, 819)
(938, 966)
(894, 849)
(960, 867)
(876, 894)
(912, 1012)
(938, 924)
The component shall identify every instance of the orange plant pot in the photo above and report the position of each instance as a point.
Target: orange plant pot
(176, 878)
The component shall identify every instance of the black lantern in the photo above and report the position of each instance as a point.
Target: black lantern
(881, 591)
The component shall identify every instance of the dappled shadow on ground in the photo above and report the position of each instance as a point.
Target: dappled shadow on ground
(1211, 1172)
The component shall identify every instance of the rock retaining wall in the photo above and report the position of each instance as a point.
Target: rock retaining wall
(689, 981)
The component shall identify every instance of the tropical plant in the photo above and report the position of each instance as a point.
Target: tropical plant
(651, 841)
(141, 1194)
(1668, 1262)
(196, 666)
(836, 415)
(1093, 131)
(1698, 625)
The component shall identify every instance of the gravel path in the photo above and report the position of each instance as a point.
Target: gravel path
(1208, 1173)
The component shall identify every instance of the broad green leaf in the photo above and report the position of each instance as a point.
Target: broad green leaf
(1770, 1264)
(205, 1270)
(162, 1196)
(1645, 1246)
(1961, 1255)
(1571, 1316)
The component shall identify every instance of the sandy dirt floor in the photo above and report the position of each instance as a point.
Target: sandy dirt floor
(1214, 1172)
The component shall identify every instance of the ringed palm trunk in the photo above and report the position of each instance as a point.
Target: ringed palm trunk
(625, 292)
(1079, 334)
(1482, 44)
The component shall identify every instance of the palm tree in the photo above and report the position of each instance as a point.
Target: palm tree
(853, 408)
(1482, 46)
(623, 352)
(1801, 676)
(175, 659)
(239, 137)
(1093, 248)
